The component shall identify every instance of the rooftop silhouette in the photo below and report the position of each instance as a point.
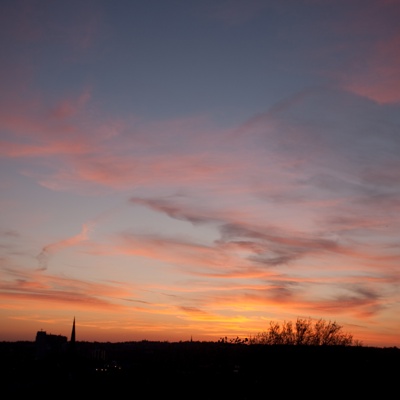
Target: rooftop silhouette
(192, 369)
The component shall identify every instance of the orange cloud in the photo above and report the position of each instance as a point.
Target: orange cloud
(55, 291)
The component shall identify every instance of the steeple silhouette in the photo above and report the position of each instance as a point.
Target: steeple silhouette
(73, 333)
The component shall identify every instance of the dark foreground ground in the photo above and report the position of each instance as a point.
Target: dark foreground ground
(199, 370)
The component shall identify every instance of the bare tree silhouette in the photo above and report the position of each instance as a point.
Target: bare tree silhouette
(305, 332)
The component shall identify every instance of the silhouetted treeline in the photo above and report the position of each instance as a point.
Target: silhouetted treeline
(198, 370)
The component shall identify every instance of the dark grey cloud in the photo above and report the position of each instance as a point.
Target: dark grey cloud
(275, 259)
(268, 246)
(193, 310)
(136, 301)
(281, 292)
(173, 210)
(43, 259)
(11, 233)
(360, 300)
(278, 237)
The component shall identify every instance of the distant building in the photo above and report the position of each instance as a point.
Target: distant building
(48, 344)
(98, 354)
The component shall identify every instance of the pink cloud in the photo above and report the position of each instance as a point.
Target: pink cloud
(31, 117)
(257, 245)
(68, 108)
(172, 251)
(17, 150)
(54, 290)
(52, 248)
(373, 69)
(379, 78)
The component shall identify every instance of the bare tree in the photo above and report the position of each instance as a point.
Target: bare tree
(305, 332)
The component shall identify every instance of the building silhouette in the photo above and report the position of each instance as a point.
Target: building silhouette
(49, 344)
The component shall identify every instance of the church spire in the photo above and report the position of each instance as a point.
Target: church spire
(73, 333)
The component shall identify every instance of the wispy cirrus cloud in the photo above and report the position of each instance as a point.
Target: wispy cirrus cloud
(48, 250)
(173, 209)
(259, 244)
(36, 130)
(40, 286)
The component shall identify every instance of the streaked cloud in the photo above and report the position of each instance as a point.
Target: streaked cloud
(48, 250)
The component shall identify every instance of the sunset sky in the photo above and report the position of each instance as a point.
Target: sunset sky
(198, 168)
